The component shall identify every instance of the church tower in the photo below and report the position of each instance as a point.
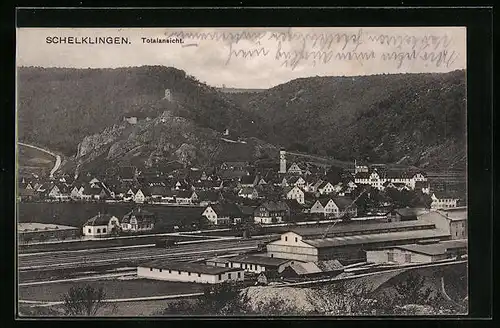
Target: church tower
(282, 161)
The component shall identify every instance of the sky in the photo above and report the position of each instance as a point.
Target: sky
(255, 57)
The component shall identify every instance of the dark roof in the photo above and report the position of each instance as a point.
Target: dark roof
(227, 209)
(361, 227)
(248, 179)
(184, 194)
(438, 248)
(343, 202)
(208, 195)
(247, 190)
(446, 195)
(376, 238)
(329, 265)
(187, 267)
(99, 219)
(260, 260)
(142, 216)
(246, 210)
(275, 206)
(362, 175)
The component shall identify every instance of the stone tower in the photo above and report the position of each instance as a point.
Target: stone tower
(282, 161)
(168, 95)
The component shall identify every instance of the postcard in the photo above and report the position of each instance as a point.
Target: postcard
(310, 171)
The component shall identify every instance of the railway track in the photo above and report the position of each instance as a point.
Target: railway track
(66, 259)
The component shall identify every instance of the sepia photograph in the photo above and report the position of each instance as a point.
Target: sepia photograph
(278, 171)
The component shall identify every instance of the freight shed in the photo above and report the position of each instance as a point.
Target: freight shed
(350, 242)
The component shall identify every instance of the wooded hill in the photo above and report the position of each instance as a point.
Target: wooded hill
(414, 119)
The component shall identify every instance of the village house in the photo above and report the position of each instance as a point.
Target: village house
(236, 166)
(189, 272)
(101, 225)
(58, 192)
(248, 181)
(325, 188)
(405, 214)
(421, 252)
(271, 212)
(334, 207)
(138, 220)
(220, 214)
(208, 197)
(294, 181)
(295, 193)
(248, 192)
(139, 196)
(295, 169)
(186, 197)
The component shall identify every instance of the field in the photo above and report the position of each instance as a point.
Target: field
(76, 214)
(114, 289)
(31, 160)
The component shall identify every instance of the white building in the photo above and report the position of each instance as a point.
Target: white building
(326, 188)
(443, 201)
(222, 213)
(100, 225)
(189, 272)
(295, 193)
(377, 178)
(418, 253)
(139, 197)
(334, 207)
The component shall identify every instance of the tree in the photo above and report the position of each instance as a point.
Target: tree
(86, 300)
(413, 291)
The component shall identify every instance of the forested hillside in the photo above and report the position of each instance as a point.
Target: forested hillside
(58, 107)
(412, 119)
(417, 119)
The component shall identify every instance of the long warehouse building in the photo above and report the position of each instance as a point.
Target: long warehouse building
(350, 241)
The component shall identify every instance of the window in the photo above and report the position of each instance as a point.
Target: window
(103, 230)
(90, 230)
(272, 255)
(169, 271)
(199, 274)
(219, 277)
(179, 272)
(228, 276)
(189, 273)
(239, 274)
(161, 270)
(150, 269)
(98, 230)
(296, 239)
(390, 256)
(286, 238)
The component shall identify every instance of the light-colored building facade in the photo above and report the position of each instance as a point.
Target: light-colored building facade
(189, 272)
(101, 225)
(297, 194)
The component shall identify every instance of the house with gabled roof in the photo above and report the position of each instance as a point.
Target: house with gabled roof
(225, 213)
(334, 207)
(248, 192)
(294, 193)
(271, 212)
(186, 197)
(138, 220)
(101, 225)
(208, 197)
(295, 169)
(325, 188)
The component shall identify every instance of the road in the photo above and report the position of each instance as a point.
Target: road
(93, 257)
(57, 164)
